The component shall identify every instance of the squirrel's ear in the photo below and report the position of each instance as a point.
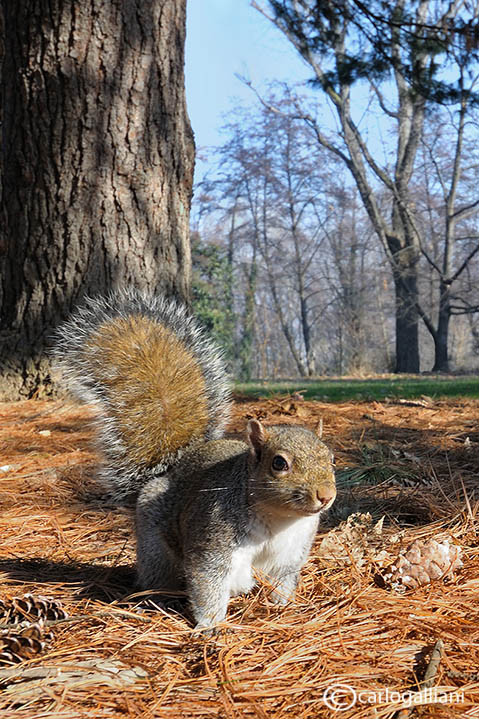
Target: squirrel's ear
(256, 436)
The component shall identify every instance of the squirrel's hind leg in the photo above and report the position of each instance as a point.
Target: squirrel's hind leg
(158, 565)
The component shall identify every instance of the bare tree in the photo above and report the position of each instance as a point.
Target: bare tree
(354, 269)
(271, 165)
(446, 211)
(299, 232)
(348, 42)
(96, 165)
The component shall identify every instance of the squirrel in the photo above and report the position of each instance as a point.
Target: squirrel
(209, 510)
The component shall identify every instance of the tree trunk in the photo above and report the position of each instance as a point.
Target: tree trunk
(407, 319)
(441, 336)
(249, 322)
(404, 259)
(306, 330)
(96, 162)
(404, 263)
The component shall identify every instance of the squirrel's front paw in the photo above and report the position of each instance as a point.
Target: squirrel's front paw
(284, 592)
(280, 599)
(201, 631)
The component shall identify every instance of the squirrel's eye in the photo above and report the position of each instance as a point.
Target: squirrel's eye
(279, 464)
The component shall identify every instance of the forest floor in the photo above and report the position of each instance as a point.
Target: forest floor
(88, 646)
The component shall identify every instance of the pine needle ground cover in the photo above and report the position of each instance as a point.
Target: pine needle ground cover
(76, 640)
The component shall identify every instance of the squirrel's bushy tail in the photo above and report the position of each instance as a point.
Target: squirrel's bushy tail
(158, 382)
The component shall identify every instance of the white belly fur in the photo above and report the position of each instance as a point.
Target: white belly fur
(270, 546)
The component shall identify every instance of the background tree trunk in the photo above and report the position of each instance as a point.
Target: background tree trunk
(96, 161)
(441, 336)
(404, 259)
(407, 340)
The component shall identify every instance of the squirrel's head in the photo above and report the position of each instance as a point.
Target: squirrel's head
(291, 469)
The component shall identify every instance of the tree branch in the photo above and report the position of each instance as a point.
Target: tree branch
(467, 211)
(464, 264)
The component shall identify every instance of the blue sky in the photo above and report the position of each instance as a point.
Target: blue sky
(225, 37)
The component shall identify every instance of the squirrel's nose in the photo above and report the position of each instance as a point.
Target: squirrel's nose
(325, 495)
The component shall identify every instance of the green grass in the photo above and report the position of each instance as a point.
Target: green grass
(339, 390)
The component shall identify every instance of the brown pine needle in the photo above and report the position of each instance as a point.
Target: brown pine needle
(409, 464)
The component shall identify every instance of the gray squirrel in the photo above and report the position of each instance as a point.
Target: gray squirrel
(209, 510)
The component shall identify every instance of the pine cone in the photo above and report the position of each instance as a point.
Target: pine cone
(359, 540)
(30, 607)
(23, 644)
(423, 561)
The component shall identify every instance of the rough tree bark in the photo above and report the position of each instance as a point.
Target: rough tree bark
(96, 162)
